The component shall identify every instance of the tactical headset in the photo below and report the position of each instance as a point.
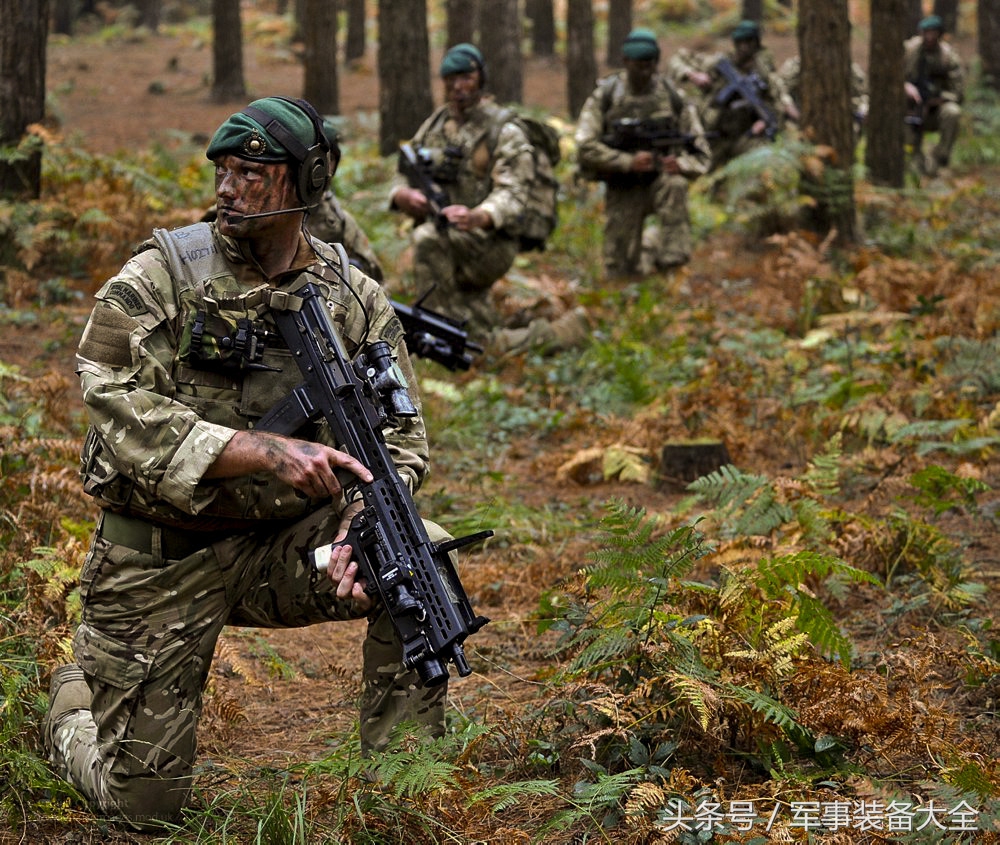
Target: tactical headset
(313, 163)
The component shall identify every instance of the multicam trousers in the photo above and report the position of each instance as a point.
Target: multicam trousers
(666, 243)
(461, 267)
(146, 642)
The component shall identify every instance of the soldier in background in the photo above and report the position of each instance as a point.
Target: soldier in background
(733, 124)
(934, 85)
(462, 251)
(642, 180)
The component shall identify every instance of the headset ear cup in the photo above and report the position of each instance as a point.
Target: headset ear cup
(314, 174)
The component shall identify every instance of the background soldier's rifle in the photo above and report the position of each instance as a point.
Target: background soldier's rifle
(747, 87)
(657, 134)
(430, 334)
(414, 578)
(416, 167)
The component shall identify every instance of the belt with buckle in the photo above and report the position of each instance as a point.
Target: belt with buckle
(137, 534)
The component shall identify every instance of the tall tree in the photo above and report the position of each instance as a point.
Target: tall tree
(462, 21)
(500, 41)
(227, 52)
(150, 12)
(753, 10)
(581, 66)
(404, 74)
(988, 27)
(913, 11)
(24, 27)
(619, 26)
(542, 18)
(947, 10)
(887, 107)
(824, 36)
(320, 85)
(354, 44)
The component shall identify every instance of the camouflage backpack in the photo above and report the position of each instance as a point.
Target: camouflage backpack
(542, 212)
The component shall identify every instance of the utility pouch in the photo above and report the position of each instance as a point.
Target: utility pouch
(211, 341)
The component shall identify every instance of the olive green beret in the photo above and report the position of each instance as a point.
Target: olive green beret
(641, 44)
(462, 58)
(932, 22)
(747, 31)
(241, 135)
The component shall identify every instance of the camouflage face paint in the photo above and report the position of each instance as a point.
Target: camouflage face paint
(245, 187)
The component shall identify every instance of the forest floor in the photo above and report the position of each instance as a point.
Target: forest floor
(298, 688)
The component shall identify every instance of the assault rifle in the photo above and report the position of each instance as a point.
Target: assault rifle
(747, 87)
(430, 334)
(658, 134)
(416, 168)
(414, 577)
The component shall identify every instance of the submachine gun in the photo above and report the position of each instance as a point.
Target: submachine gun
(414, 577)
(747, 87)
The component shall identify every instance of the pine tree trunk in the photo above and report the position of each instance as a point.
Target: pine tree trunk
(947, 10)
(403, 71)
(462, 22)
(753, 10)
(884, 149)
(24, 27)
(542, 16)
(913, 12)
(500, 41)
(354, 44)
(619, 26)
(988, 24)
(320, 84)
(227, 52)
(824, 35)
(581, 66)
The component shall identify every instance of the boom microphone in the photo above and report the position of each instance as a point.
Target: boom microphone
(239, 218)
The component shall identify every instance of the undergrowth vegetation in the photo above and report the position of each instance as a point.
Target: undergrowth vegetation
(800, 642)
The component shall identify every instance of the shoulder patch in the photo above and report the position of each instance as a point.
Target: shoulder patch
(127, 297)
(106, 338)
(393, 331)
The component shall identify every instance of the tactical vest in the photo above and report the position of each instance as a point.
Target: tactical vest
(231, 366)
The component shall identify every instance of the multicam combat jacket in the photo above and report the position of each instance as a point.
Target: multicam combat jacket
(162, 409)
(484, 162)
(938, 72)
(612, 100)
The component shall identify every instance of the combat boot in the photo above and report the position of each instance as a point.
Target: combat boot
(68, 693)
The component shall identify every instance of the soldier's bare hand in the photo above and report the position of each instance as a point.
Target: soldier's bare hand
(466, 219)
(913, 93)
(758, 127)
(343, 574)
(669, 164)
(308, 467)
(411, 201)
(643, 162)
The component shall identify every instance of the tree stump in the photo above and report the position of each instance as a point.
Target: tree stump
(684, 461)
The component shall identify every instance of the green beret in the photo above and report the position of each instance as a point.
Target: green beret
(641, 44)
(932, 22)
(242, 135)
(747, 31)
(462, 58)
